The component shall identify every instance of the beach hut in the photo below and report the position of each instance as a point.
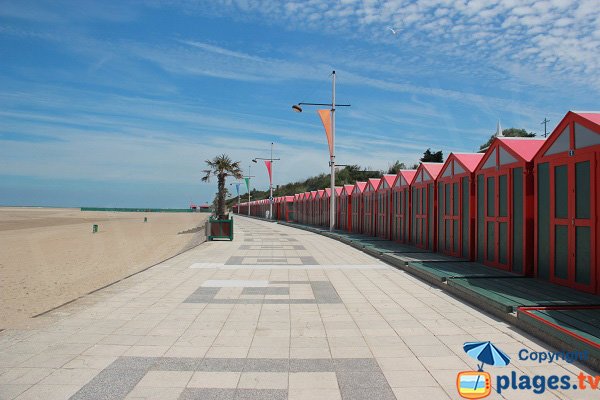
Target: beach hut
(286, 208)
(457, 204)
(338, 193)
(384, 201)
(296, 207)
(325, 207)
(423, 205)
(345, 207)
(400, 230)
(318, 211)
(312, 200)
(370, 207)
(567, 207)
(305, 206)
(504, 229)
(356, 206)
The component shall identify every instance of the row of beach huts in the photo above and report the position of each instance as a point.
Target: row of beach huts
(526, 205)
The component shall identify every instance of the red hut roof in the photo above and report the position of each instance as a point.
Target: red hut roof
(360, 186)
(328, 192)
(592, 116)
(348, 189)
(387, 181)
(524, 147)
(407, 174)
(373, 183)
(504, 151)
(320, 193)
(338, 190)
(290, 198)
(468, 160)
(432, 169)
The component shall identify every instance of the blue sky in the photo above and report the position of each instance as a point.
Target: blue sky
(119, 103)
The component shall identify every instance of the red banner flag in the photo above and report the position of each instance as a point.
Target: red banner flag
(325, 116)
(268, 165)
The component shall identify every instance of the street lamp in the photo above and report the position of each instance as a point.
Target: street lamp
(297, 108)
(270, 179)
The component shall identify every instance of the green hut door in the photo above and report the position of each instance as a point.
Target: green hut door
(572, 213)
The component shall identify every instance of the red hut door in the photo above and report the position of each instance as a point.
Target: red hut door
(572, 212)
(496, 230)
(420, 226)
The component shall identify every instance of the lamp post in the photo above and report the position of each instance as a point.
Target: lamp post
(297, 108)
(270, 179)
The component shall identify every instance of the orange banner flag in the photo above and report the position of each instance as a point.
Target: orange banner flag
(325, 116)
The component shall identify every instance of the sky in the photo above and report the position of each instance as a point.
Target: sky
(118, 104)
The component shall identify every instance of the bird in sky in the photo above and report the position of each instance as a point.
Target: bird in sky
(395, 32)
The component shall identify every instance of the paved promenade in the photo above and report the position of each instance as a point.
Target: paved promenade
(279, 313)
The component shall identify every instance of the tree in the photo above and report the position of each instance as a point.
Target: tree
(510, 132)
(397, 166)
(221, 166)
(429, 156)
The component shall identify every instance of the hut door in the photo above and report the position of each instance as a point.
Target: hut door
(571, 224)
(496, 220)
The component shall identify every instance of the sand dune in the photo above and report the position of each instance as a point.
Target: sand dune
(50, 256)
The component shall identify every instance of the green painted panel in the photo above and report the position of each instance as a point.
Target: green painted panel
(561, 251)
(415, 197)
(491, 242)
(447, 203)
(455, 198)
(440, 222)
(456, 237)
(503, 243)
(448, 243)
(491, 196)
(431, 215)
(465, 217)
(517, 218)
(543, 211)
(583, 262)
(480, 218)
(582, 190)
(502, 196)
(561, 191)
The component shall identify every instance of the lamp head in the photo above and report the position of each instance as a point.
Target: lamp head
(254, 160)
(297, 108)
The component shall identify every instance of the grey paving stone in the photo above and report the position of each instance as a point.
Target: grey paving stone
(292, 282)
(207, 394)
(116, 380)
(361, 379)
(324, 292)
(308, 260)
(266, 290)
(311, 365)
(266, 365)
(177, 364)
(372, 393)
(261, 394)
(222, 364)
(356, 364)
(234, 260)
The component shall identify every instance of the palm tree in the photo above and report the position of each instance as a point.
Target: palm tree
(222, 167)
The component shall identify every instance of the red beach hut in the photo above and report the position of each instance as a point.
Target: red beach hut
(356, 207)
(457, 204)
(319, 211)
(423, 205)
(505, 204)
(567, 207)
(313, 207)
(370, 207)
(345, 207)
(400, 230)
(338, 192)
(384, 200)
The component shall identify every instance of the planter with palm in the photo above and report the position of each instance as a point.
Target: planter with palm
(221, 166)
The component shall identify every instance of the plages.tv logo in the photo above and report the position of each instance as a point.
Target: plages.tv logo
(478, 384)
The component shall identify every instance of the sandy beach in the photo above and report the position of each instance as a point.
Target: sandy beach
(50, 256)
